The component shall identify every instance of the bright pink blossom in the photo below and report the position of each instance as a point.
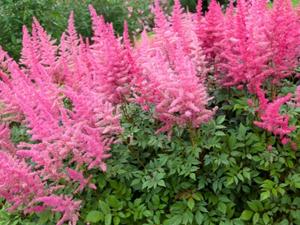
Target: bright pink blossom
(5, 142)
(65, 205)
(111, 61)
(18, 184)
(34, 94)
(171, 79)
(273, 121)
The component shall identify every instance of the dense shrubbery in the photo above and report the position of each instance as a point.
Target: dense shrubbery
(198, 123)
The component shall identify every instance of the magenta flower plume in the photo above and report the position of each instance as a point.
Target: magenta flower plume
(34, 94)
(273, 121)
(65, 205)
(5, 142)
(18, 184)
(112, 61)
(211, 31)
(171, 79)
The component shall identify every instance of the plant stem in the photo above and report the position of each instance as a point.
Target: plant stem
(125, 112)
(136, 156)
(192, 134)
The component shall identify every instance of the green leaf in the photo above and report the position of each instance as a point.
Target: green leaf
(295, 214)
(193, 176)
(242, 132)
(191, 203)
(220, 119)
(220, 133)
(113, 201)
(187, 217)
(284, 222)
(175, 220)
(104, 207)
(268, 184)
(246, 215)
(266, 218)
(44, 217)
(199, 218)
(255, 205)
(116, 220)
(161, 183)
(255, 218)
(94, 216)
(147, 213)
(108, 219)
(197, 196)
(265, 195)
(222, 207)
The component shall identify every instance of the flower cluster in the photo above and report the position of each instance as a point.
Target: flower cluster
(66, 140)
(173, 71)
(255, 47)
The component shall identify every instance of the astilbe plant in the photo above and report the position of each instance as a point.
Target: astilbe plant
(210, 30)
(64, 205)
(171, 79)
(111, 61)
(257, 47)
(66, 141)
(19, 185)
(273, 121)
(5, 142)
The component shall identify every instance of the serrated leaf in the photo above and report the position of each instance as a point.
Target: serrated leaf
(175, 220)
(265, 195)
(187, 217)
(220, 119)
(161, 183)
(135, 182)
(116, 220)
(191, 203)
(197, 196)
(108, 219)
(268, 184)
(113, 201)
(220, 133)
(266, 218)
(147, 213)
(222, 207)
(255, 205)
(246, 215)
(284, 222)
(199, 218)
(104, 207)
(94, 216)
(255, 218)
(193, 176)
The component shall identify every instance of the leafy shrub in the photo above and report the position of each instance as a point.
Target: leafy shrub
(138, 123)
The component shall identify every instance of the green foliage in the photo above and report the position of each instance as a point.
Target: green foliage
(19, 133)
